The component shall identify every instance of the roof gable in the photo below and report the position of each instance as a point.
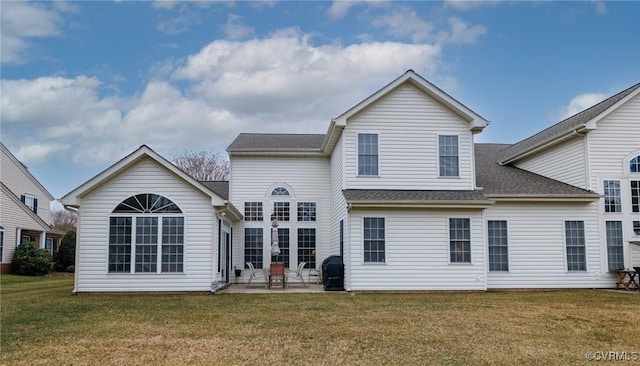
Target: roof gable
(22, 207)
(25, 171)
(581, 122)
(74, 197)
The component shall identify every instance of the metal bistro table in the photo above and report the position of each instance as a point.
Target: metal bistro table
(625, 278)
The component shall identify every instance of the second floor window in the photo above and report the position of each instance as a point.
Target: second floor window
(635, 195)
(634, 165)
(448, 155)
(253, 211)
(30, 201)
(367, 154)
(612, 201)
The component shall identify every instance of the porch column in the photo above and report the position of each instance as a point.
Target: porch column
(18, 236)
(43, 239)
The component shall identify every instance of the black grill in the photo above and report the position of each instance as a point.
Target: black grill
(333, 273)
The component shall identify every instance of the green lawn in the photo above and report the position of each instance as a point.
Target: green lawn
(42, 324)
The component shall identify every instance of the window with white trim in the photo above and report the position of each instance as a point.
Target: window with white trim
(615, 254)
(253, 211)
(374, 240)
(146, 235)
(281, 211)
(612, 199)
(368, 154)
(460, 240)
(280, 191)
(285, 247)
(498, 245)
(306, 211)
(634, 165)
(253, 247)
(575, 243)
(307, 246)
(635, 195)
(30, 201)
(48, 245)
(636, 228)
(448, 155)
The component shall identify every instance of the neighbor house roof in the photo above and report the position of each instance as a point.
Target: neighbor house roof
(565, 128)
(26, 171)
(504, 181)
(266, 142)
(21, 206)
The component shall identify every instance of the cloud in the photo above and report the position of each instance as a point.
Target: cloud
(461, 33)
(179, 21)
(469, 4)
(600, 7)
(340, 8)
(24, 21)
(580, 103)
(280, 83)
(233, 29)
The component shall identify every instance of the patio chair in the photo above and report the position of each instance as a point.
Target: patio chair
(256, 274)
(298, 273)
(317, 273)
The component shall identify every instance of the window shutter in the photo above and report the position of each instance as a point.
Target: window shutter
(22, 198)
(35, 206)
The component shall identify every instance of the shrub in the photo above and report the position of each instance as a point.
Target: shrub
(29, 260)
(66, 256)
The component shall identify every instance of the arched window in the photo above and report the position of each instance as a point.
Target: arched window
(280, 191)
(634, 165)
(146, 229)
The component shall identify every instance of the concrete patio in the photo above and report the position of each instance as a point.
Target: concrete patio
(258, 288)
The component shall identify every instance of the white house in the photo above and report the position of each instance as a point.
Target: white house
(24, 210)
(396, 186)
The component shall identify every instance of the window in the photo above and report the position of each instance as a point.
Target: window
(498, 246)
(612, 201)
(1, 242)
(30, 201)
(48, 245)
(253, 211)
(636, 228)
(575, 241)
(307, 247)
(306, 211)
(367, 154)
(634, 165)
(460, 240)
(635, 195)
(280, 191)
(448, 153)
(614, 245)
(285, 248)
(150, 234)
(280, 211)
(120, 244)
(253, 246)
(374, 240)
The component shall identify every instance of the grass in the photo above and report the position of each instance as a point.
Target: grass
(42, 324)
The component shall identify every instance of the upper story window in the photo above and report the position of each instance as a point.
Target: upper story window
(635, 195)
(634, 165)
(253, 211)
(448, 155)
(280, 191)
(147, 203)
(30, 201)
(306, 211)
(612, 199)
(367, 154)
(281, 211)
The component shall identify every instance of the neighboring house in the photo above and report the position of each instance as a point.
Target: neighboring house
(25, 210)
(396, 186)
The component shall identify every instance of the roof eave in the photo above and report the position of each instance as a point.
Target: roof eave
(544, 198)
(276, 152)
(420, 204)
(579, 131)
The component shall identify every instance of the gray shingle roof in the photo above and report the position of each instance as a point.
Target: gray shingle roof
(563, 127)
(360, 195)
(276, 142)
(507, 180)
(221, 188)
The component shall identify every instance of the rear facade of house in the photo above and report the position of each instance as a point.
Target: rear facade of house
(396, 187)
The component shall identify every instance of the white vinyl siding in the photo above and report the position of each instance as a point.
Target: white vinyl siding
(416, 252)
(200, 238)
(408, 123)
(537, 247)
(565, 162)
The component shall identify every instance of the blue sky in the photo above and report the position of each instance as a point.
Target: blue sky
(85, 83)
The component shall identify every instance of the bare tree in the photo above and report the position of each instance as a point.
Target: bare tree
(203, 165)
(64, 220)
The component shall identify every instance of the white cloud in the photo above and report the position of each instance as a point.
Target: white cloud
(25, 21)
(600, 6)
(233, 28)
(580, 103)
(179, 20)
(340, 8)
(281, 83)
(461, 32)
(405, 22)
(469, 4)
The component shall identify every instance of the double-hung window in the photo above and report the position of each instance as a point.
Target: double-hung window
(253, 246)
(307, 246)
(448, 155)
(575, 242)
(460, 240)
(635, 195)
(498, 246)
(146, 235)
(615, 254)
(612, 199)
(30, 201)
(367, 154)
(374, 240)
(253, 211)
